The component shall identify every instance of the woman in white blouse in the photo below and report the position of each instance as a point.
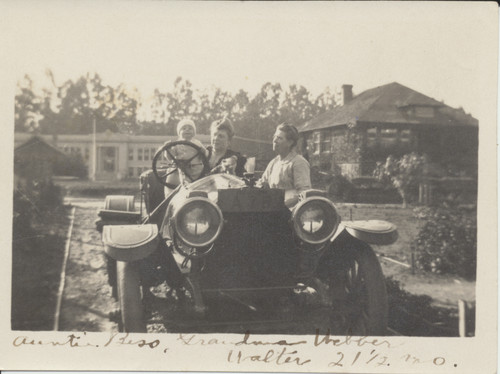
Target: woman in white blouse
(288, 170)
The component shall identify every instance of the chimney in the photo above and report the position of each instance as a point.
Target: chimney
(346, 93)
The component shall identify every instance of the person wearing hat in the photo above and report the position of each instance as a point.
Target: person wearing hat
(186, 130)
(222, 158)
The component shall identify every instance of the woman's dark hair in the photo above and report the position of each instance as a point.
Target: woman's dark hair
(223, 124)
(290, 131)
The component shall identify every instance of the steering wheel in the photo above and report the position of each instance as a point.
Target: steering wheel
(162, 169)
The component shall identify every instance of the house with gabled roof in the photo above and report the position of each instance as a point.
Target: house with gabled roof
(391, 119)
(36, 159)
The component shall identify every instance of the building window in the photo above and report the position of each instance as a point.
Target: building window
(337, 133)
(153, 152)
(87, 153)
(326, 140)
(405, 136)
(72, 150)
(310, 145)
(131, 172)
(336, 136)
(146, 154)
(139, 154)
(371, 135)
(130, 153)
(108, 159)
(316, 142)
(388, 136)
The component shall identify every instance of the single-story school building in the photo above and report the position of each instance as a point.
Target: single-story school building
(121, 156)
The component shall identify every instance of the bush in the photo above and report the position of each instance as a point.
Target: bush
(73, 165)
(22, 217)
(341, 189)
(49, 196)
(34, 200)
(415, 315)
(447, 242)
(403, 173)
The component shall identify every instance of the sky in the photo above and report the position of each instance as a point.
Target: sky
(438, 49)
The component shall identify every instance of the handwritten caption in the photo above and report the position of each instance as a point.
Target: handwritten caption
(345, 351)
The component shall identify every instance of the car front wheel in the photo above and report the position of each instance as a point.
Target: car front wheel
(360, 306)
(130, 296)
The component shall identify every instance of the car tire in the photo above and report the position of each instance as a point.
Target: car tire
(361, 283)
(122, 204)
(130, 296)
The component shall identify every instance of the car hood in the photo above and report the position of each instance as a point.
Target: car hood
(210, 184)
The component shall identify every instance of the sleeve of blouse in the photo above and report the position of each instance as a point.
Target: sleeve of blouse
(301, 175)
(265, 176)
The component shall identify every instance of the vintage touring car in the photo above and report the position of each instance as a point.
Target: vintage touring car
(219, 251)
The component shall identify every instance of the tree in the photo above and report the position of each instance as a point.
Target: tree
(180, 103)
(324, 102)
(168, 108)
(241, 101)
(120, 108)
(27, 107)
(71, 107)
(297, 107)
(268, 101)
(213, 104)
(404, 173)
(239, 115)
(262, 112)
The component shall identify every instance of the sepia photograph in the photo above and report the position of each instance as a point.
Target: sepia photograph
(250, 186)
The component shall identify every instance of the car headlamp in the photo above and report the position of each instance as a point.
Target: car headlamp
(315, 220)
(198, 222)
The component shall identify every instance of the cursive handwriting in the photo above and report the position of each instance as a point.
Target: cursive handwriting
(271, 356)
(347, 340)
(125, 341)
(193, 339)
(79, 341)
(246, 341)
(346, 351)
(71, 340)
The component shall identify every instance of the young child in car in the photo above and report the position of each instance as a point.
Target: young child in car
(186, 130)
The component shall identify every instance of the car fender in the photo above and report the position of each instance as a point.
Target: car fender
(130, 242)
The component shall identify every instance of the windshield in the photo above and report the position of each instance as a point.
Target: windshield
(213, 183)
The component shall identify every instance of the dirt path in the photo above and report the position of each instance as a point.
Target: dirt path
(87, 298)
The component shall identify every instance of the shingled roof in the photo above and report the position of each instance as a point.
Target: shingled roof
(35, 141)
(388, 104)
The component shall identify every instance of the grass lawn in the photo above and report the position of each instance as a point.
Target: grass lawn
(445, 290)
(404, 219)
(37, 259)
